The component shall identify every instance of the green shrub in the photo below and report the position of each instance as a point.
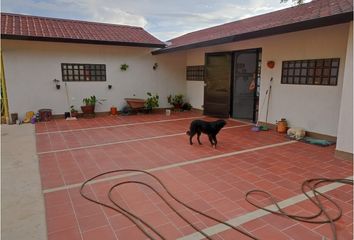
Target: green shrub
(152, 101)
(176, 100)
(186, 106)
(92, 100)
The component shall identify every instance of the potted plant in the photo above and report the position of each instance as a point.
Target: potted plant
(89, 107)
(124, 67)
(176, 101)
(270, 64)
(73, 111)
(186, 106)
(151, 102)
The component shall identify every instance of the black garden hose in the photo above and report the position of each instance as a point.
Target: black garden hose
(142, 225)
(139, 222)
(311, 184)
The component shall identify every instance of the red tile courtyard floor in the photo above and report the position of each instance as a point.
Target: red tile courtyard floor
(214, 181)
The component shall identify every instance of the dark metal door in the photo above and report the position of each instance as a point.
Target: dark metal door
(217, 84)
(244, 84)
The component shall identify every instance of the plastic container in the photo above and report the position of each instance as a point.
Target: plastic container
(33, 120)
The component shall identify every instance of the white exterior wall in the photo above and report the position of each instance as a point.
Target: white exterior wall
(30, 68)
(195, 89)
(345, 126)
(314, 108)
(195, 93)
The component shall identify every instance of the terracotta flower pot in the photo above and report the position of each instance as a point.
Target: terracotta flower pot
(89, 109)
(74, 114)
(177, 107)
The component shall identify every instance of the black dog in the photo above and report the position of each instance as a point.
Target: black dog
(210, 128)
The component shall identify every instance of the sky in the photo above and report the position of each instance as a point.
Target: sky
(165, 19)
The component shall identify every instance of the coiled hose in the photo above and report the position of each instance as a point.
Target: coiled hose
(311, 184)
(139, 222)
(142, 225)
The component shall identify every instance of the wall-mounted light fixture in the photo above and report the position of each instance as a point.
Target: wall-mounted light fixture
(57, 84)
(109, 86)
(155, 66)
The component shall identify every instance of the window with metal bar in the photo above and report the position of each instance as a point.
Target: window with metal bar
(72, 72)
(195, 73)
(311, 72)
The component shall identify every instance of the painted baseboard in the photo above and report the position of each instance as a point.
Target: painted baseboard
(197, 110)
(156, 110)
(321, 136)
(269, 125)
(58, 116)
(308, 133)
(343, 155)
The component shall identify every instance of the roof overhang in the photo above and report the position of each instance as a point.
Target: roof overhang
(85, 41)
(305, 25)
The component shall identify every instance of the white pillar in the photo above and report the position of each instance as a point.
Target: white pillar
(345, 124)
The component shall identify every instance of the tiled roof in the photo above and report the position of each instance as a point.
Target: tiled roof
(16, 26)
(316, 13)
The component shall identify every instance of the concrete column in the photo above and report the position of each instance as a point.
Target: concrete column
(345, 124)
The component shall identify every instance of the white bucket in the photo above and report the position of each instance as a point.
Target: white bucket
(168, 112)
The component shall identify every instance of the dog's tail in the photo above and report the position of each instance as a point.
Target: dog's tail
(188, 133)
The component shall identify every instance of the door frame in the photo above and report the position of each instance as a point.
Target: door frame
(233, 52)
(257, 50)
(230, 77)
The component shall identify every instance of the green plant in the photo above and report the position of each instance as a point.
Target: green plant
(176, 100)
(72, 109)
(152, 101)
(124, 67)
(186, 106)
(90, 101)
